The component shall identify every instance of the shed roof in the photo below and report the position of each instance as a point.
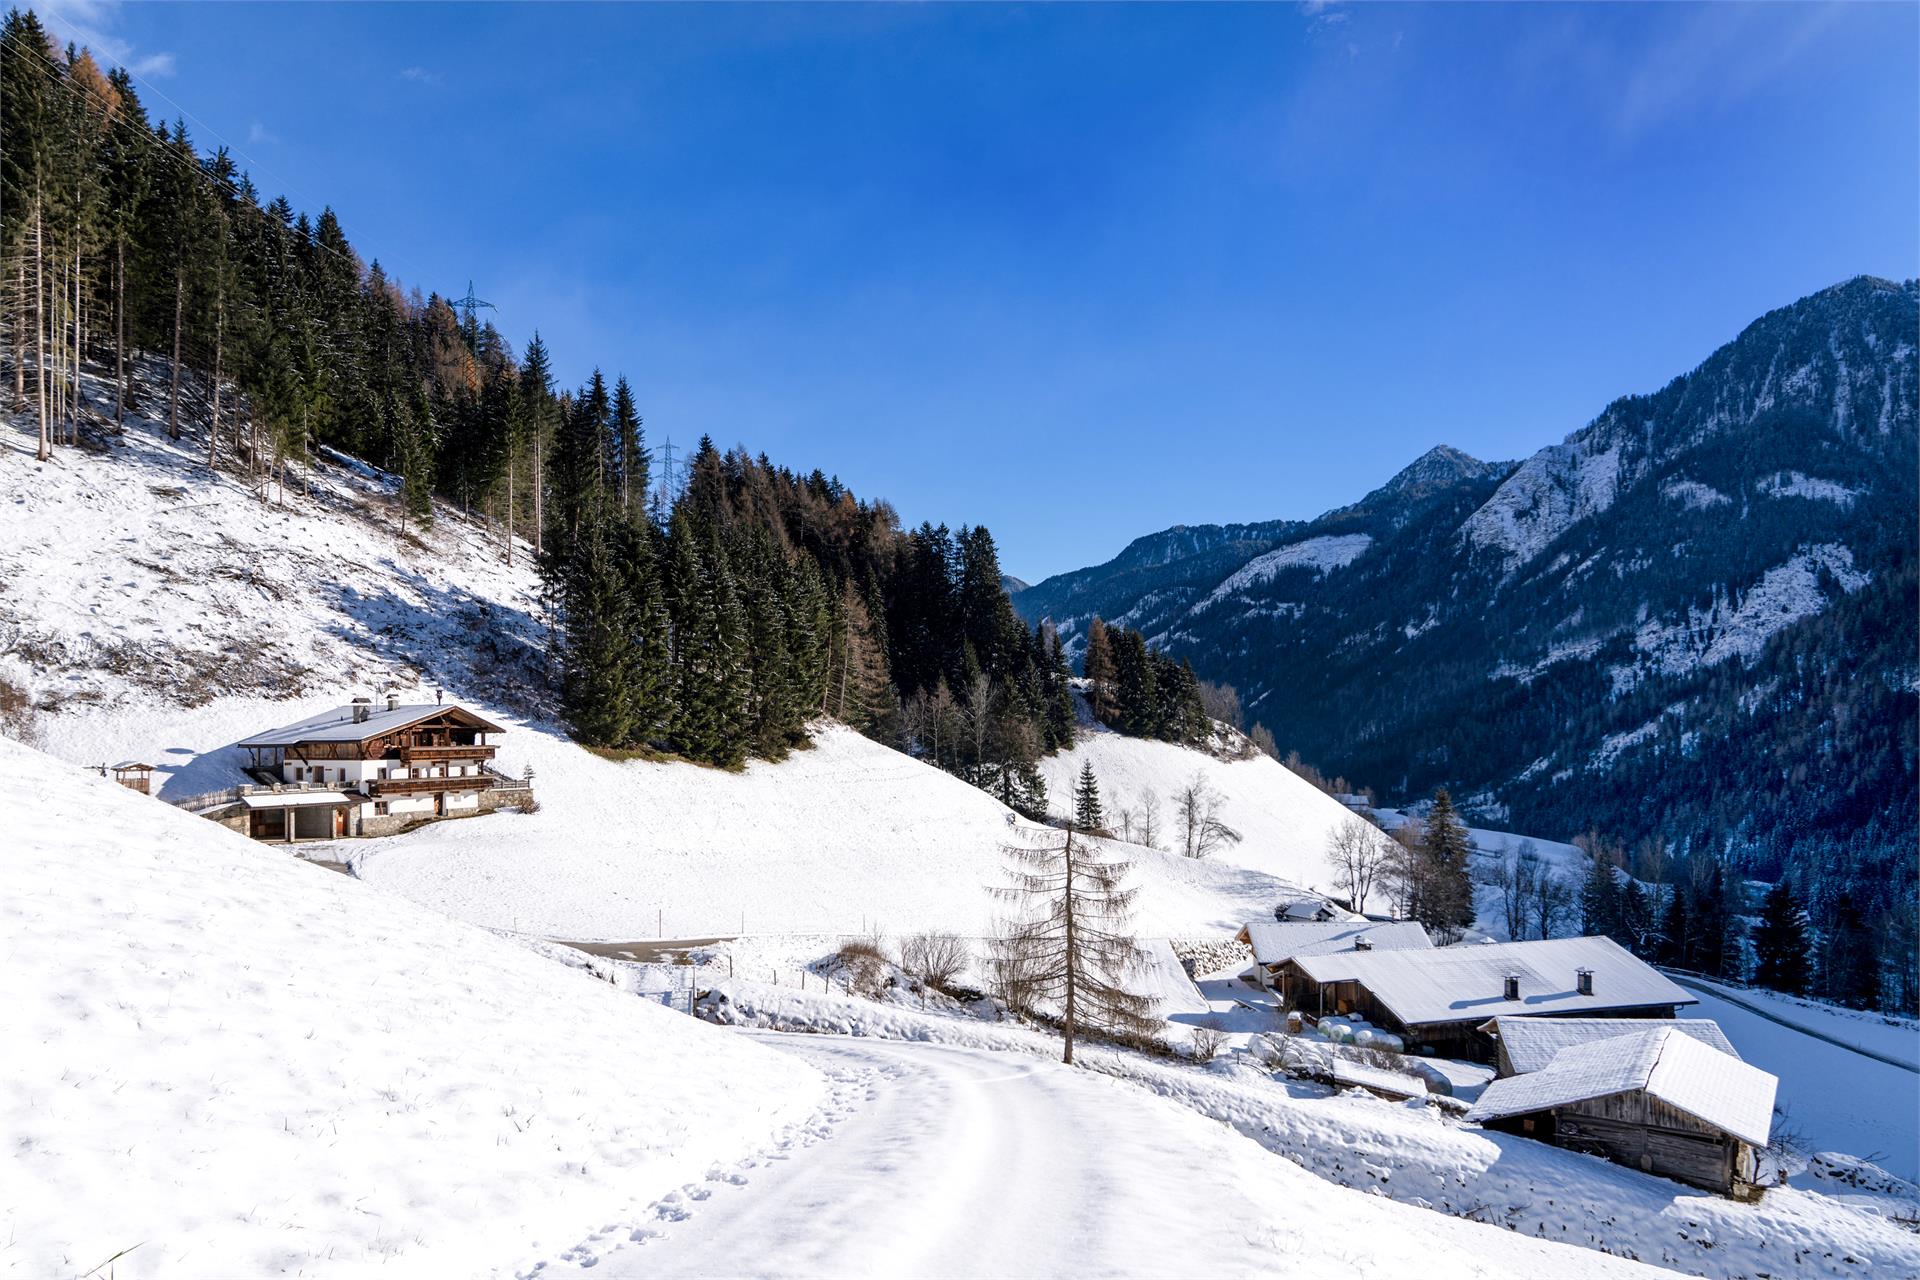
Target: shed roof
(1275, 941)
(1531, 1043)
(295, 799)
(1457, 984)
(1668, 1064)
(126, 766)
(338, 725)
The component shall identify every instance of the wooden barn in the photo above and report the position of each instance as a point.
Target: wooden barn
(1660, 1100)
(1436, 1000)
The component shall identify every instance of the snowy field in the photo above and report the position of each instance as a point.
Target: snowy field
(233, 1063)
(1831, 1098)
(1284, 820)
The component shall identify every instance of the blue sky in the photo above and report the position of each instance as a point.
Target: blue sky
(1081, 273)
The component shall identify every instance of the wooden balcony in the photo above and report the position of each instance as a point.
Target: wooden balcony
(433, 755)
(428, 786)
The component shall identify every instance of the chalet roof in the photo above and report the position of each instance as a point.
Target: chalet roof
(1531, 1043)
(1457, 984)
(1275, 942)
(125, 765)
(1711, 1086)
(338, 725)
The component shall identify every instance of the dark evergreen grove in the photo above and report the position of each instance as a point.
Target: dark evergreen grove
(711, 613)
(1135, 688)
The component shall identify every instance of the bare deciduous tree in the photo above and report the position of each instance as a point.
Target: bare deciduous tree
(1069, 950)
(1196, 807)
(934, 958)
(1148, 819)
(1208, 1038)
(1359, 852)
(1552, 900)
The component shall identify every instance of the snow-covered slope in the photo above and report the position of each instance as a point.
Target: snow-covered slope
(153, 609)
(850, 837)
(232, 1063)
(1284, 821)
(130, 569)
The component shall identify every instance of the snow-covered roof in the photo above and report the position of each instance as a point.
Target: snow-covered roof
(1314, 907)
(1398, 1083)
(293, 799)
(1454, 984)
(1531, 1043)
(1667, 1063)
(1275, 942)
(125, 765)
(338, 725)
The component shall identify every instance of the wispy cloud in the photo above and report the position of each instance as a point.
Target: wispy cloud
(90, 23)
(420, 75)
(1717, 56)
(258, 133)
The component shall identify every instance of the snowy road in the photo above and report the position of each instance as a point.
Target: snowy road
(939, 1161)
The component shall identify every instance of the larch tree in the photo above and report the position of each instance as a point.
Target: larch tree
(1069, 951)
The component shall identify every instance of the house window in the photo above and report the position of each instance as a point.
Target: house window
(299, 774)
(380, 808)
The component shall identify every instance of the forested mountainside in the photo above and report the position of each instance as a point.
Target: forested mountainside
(709, 609)
(1694, 619)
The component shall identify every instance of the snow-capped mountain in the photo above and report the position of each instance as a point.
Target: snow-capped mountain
(1694, 617)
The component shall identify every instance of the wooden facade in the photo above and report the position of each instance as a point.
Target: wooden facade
(1642, 1132)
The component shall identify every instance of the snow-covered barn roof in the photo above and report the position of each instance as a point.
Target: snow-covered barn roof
(1531, 1043)
(1454, 984)
(338, 725)
(1668, 1064)
(1275, 942)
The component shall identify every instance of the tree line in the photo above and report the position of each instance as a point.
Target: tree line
(708, 608)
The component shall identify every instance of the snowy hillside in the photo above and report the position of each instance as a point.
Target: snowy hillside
(1284, 821)
(232, 1063)
(129, 571)
(154, 610)
(850, 837)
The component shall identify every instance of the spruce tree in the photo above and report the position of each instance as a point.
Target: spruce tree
(1087, 814)
(1097, 666)
(1448, 901)
(1781, 944)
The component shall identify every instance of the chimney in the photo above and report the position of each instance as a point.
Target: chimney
(1513, 986)
(1363, 944)
(393, 699)
(362, 708)
(1583, 981)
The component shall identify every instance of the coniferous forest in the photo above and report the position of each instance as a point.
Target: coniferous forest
(709, 608)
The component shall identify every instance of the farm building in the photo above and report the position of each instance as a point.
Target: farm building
(1528, 1044)
(1437, 999)
(361, 771)
(1275, 942)
(1659, 1100)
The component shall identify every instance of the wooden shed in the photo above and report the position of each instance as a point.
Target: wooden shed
(1660, 1101)
(134, 776)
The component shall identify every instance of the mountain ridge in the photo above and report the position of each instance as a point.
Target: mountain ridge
(1663, 600)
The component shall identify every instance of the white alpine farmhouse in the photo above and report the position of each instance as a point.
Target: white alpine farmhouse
(361, 771)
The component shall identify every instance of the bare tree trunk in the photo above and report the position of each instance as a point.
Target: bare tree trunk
(73, 428)
(1072, 949)
(40, 319)
(219, 334)
(120, 337)
(179, 318)
(539, 517)
(20, 329)
(509, 499)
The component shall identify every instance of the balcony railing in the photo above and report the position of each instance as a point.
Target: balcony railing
(424, 755)
(427, 786)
